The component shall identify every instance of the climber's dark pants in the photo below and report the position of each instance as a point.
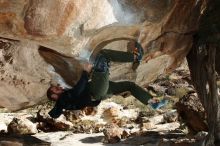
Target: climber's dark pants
(100, 87)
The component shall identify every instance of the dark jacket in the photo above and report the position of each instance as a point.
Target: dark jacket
(74, 99)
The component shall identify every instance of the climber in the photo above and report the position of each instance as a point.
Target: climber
(90, 92)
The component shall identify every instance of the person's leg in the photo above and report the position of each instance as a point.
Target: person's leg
(138, 92)
(117, 56)
(99, 84)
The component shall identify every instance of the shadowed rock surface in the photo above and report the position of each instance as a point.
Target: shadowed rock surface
(164, 28)
(124, 123)
(21, 140)
(192, 112)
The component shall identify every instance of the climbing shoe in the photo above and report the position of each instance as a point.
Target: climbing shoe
(158, 104)
(138, 54)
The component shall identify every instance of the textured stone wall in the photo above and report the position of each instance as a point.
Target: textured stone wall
(23, 74)
(81, 28)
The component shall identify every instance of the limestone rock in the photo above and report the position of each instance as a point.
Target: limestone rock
(46, 123)
(192, 112)
(90, 111)
(201, 135)
(72, 115)
(181, 142)
(171, 116)
(113, 133)
(164, 28)
(111, 114)
(21, 140)
(10, 143)
(24, 76)
(176, 84)
(22, 126)
(3, 127)
(126, 133)
(147, 126)
(87, 126)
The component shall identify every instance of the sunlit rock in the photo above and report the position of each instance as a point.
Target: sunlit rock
(23, 74)
(81, 29)
(22, 126)
(111, 114)
(192, 113)
(113, 133)
(171, 116)
(46, 123)
(147, 126)
(21, 140)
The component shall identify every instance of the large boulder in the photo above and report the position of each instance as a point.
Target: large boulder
(24, 75)
(113, 133)
(191, 112)
(81, 29)
(21, 140)
(46, 123)
(21, 126)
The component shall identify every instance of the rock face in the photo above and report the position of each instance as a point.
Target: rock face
(192, 112)
(82, 28)
(22, 126)
(113, 133)
(46, 123)
(24, 75)
(21, 140)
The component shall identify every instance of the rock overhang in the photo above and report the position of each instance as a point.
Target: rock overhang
(164, 28)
